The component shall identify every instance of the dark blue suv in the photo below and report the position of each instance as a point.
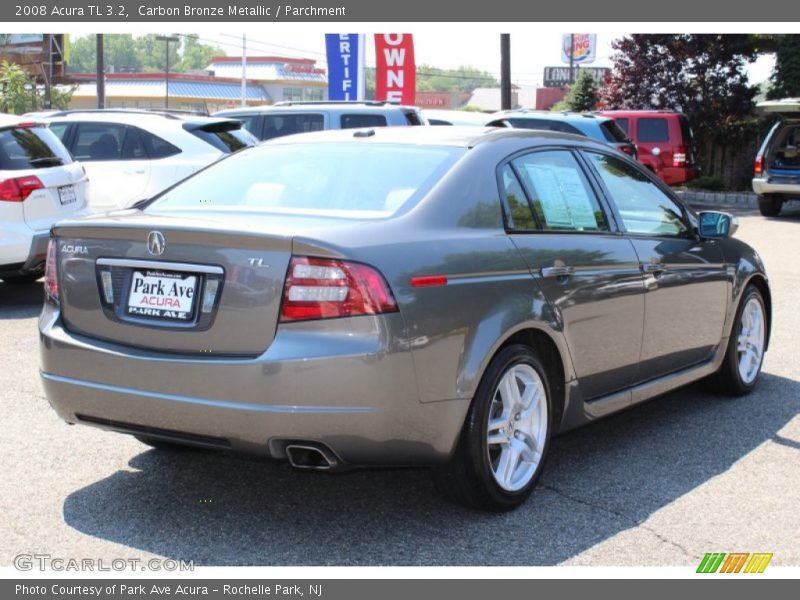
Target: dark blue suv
(602, 129)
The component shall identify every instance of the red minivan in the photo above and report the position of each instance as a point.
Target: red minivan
(664, 140)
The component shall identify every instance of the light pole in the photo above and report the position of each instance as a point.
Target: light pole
(167, 39)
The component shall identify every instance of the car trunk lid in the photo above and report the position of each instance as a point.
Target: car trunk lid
(174, 285)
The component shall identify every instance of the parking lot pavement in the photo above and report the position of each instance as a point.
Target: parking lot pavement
(661, 484)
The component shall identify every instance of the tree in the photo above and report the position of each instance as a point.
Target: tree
(126, 53)
(20, 94)
(461, 79)
(785, 79)
(582, 95)
(700, 75)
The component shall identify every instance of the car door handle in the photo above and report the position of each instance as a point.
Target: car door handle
(654, 268)
(557, 271)
(133, 171)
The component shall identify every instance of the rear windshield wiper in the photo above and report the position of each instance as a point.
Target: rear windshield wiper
(46, 161)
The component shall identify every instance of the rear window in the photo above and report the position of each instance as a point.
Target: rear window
(623, 124)
(31, 148)
(544, 124)
(356, 180)
(280, 125)
(226, 137)
(357, 121)
(652, 129)
(613, 132)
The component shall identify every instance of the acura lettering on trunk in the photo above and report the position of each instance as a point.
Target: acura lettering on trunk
(448, 297)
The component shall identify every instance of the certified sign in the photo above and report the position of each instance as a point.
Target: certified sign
(584, 48)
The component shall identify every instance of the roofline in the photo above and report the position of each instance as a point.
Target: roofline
(269, 59)
(160, 76)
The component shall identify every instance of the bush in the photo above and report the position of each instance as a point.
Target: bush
(712, 183)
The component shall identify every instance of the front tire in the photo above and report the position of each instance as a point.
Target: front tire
(741, 367)
(770, 206)
(506, 435)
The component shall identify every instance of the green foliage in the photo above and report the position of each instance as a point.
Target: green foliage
(712, 183)
(471, 108)
(582, 95)
(785, 79)
(559, 106)
(125, 53)
(20, 94)
(461, 79)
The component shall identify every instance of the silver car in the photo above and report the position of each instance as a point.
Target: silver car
(440, 296)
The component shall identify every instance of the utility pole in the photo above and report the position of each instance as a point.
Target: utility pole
(166, 39)
(505, 71)
(244, 70)
(47, 44)
(571, 58)
(101, 73)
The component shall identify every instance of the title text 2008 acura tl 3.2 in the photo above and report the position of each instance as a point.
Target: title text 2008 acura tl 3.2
(399, 296)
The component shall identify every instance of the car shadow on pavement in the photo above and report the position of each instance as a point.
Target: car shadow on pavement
(218, 509)
(20, 301)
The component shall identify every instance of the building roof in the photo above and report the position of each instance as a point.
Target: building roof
(269, 68)
(208, 88)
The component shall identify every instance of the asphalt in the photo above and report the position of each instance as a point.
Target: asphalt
(660, 484)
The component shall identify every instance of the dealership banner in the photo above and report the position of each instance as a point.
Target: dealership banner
(395, 71)
(345, 52)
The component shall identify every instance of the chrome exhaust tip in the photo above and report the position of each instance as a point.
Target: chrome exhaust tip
(306, 456)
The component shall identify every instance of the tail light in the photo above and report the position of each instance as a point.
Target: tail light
(19, 188)
(321, 288)
(679, 157)
(758, 168)
(51, 273)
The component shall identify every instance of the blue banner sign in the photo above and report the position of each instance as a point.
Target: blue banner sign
(343, 65)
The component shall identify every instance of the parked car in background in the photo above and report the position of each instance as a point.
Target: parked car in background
(287, 118)
(776, 177)
(590, 125)
(39, 184)
(664, 140)
(131, 155)
(443, 296)
(456, 117)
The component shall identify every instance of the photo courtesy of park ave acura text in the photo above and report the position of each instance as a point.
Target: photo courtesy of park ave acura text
(423, 294)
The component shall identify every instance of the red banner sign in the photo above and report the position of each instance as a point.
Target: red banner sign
(395, 73)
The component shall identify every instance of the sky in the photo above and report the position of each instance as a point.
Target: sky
(534, 46)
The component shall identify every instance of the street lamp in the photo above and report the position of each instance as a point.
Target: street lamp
(167, 39)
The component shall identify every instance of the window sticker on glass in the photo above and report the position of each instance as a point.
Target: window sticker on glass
(563, 197)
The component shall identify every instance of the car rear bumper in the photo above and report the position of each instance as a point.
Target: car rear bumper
(360, 402)
(24, 251)
(763, 186)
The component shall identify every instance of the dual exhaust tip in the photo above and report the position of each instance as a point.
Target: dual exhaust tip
(311, 456)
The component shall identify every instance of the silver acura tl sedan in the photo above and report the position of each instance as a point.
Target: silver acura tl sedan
(399, 296)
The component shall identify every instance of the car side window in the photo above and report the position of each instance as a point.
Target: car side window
(559, 192)
(544, 124)
(643, 207)
(520, 216)
(356, 121)
(287, 124)
(250, 122)
(60, 129)
(155, 147)
(98, 141)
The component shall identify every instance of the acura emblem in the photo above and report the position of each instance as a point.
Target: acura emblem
(156, 244)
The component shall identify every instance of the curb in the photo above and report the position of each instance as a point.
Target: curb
(744, 199)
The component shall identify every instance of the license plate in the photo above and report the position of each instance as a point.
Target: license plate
(162, 295)
(67, 195)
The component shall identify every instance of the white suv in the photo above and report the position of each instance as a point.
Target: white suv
(39, 185)
(131, 155)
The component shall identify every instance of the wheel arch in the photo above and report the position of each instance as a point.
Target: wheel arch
(760, 283)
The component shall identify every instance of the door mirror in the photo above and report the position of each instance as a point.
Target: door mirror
(717, 225)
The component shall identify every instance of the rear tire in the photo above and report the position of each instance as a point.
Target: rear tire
(740, 369)
(506, 435)
(770, 206)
